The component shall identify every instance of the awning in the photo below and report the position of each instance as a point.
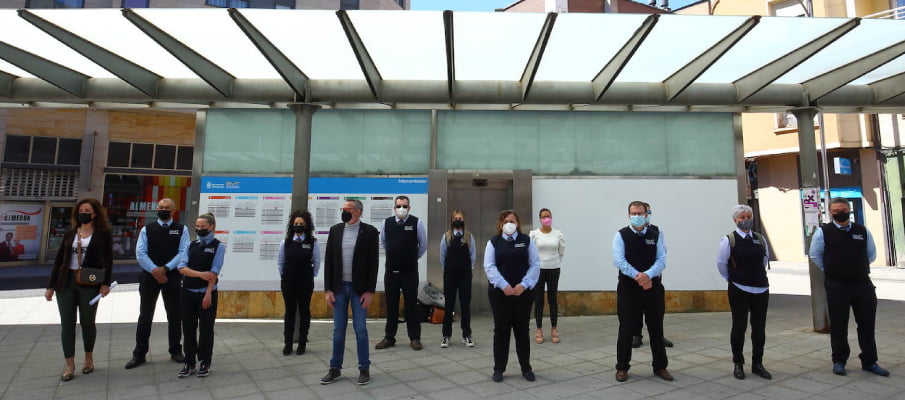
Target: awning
(199, 58)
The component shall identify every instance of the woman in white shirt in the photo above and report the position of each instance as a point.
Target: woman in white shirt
(551, 245)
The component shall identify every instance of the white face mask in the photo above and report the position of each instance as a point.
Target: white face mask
(509, 228)
(402, 213)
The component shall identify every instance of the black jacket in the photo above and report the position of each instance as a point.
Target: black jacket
(365, 261)
(98, 254)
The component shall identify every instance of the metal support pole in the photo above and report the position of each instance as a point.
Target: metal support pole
(433, 154)
(301, 165)
(810, 184)
(825, 169)
(192, 209)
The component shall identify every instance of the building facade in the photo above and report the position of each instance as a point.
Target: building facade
(277, 4)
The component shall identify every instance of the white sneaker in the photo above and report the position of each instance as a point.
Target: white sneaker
(444, 343)
(469, 342)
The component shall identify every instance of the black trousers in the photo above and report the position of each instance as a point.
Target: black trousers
(457, 282)
(743, 305)
(632, 304)
(550, 278)
(511, 316)
(405, 283)
(149, 290)
(198, 326)
(72, 300)
(297, 299)
(861, 298)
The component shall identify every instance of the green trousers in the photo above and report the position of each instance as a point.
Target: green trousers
(72, 298)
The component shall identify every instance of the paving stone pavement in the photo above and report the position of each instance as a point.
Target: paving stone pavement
(248, 363)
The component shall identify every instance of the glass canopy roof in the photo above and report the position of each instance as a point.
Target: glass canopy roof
(217, 57)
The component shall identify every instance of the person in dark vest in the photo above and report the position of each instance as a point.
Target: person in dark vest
(200, 269)
(298, 262)
(404, 241)
(639, 252)
(742, 261)
(638, 336)
(457, 257)
(843, 250)
(512, 265)
(351, 263)
(161, 245)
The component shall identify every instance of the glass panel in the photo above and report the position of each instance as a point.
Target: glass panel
(407, 46)
(164, 156)
(16, 149)
(135, 3)
(70, 152)
(249, 141)
(60, 222)
(14, 70)
(108, 29)
(44, 150)
(184, 157)
(328, 57)
(494, 46)
(370, 142)
(588, 143)
(142, 155)
(891, 68)
(118, 154)
(349, 4)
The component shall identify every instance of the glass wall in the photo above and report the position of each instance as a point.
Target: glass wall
(249, 141)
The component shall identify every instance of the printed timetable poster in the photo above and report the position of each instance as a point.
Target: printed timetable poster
(252, 214)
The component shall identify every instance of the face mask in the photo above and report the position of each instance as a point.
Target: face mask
(458, 224)
(202, 232)
(841, 217)
(745, 224)
(346, 216)
(164, 215)
(637, 220)
(509, 228)
(298, 229)
(546, 221)
(402, 212)
(85, 218)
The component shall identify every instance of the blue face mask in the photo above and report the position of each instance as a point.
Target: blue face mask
(637, 220)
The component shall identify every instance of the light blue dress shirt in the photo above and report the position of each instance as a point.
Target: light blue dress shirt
(496, 278)
(315, 256)
(422, 236)
(215, 267)
(445, 247)
(141, 249)
(722, 262)
(627, 269)
(817, 246)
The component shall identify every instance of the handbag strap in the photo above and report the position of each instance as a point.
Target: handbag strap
(78, 238)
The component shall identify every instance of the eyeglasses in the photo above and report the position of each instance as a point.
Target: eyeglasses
(402, 206)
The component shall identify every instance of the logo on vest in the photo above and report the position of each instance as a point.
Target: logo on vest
(650, 242)
(517, 245)
(758, 242)
(210, 250)
(174, 231)
(306, 246)
(409, 228)
(858, 236)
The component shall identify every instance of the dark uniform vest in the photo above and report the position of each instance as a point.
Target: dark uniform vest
(640, 251)
(401, 244)
(845, 253)
(746, 262)
(201, 259)
(458, 259)
(298, 259)
(512, 257)
(163, 245)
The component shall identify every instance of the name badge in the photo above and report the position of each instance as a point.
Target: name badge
(650, 242)
(174, 231)
(409, 228)
(519, 245)
(858, 236)
(210, 250)
(757, 242)
(306, 246)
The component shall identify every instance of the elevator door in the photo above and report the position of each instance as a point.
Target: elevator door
(482, 201)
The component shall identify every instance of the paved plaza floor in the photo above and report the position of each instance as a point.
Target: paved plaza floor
(248, 363)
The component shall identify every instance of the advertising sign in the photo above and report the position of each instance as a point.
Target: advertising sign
(20, 231)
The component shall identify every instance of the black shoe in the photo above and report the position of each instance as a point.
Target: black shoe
(384, 343)
(416, 344)
(364, 377)
(739, 371)
(667, 342)
(759, 370)
(636, 342)
(204, 371)
(528, 375)
(287, 349)
(331, 376)
(134, 363)
(178, 357)
(300, 350)
(497, 376)
(186, 371)
(876, 369)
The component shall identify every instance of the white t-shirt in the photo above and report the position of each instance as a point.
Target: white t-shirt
(74, 262)
(550, 246)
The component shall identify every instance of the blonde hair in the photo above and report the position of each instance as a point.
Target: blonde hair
(209, 218)
(449, 233)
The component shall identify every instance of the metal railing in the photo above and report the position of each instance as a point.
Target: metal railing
(894, 13)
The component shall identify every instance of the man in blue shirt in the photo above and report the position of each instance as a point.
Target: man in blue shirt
(843, 250)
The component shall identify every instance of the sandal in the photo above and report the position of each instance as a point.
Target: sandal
(539, 336)
(87, 369)
(67, 376)
(554, 336)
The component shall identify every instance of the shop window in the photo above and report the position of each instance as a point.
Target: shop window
(164, 157)
(17, 149)
(41, 150)
(69, 152)
(142, 155)
(184, 157)
(44, 150)
(147, 156)
(118, 154)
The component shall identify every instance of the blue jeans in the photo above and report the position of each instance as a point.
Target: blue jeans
(344, 297)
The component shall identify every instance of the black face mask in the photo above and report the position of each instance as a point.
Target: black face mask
(298, 229)
(164, 215)
(85, 218)
(841, 217)
(458, 224)
(346, 216)
(202, 232)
